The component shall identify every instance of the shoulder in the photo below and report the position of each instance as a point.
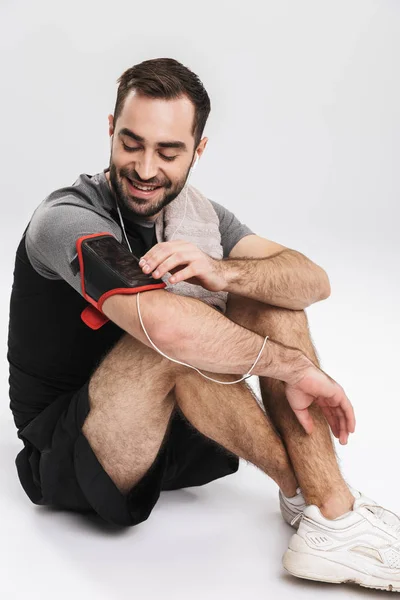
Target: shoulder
(231, 228)
(61, 218)
(84, 202)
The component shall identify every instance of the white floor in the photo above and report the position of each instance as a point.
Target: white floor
(303, 148)
(226, 539)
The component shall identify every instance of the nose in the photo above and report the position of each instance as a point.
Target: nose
(146, 167)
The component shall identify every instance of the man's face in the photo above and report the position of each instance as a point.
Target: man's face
(152, 144)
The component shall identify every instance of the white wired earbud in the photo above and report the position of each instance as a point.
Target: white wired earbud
(248, 374)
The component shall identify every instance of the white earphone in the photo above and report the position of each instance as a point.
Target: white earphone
(195, 163)
(138, 302)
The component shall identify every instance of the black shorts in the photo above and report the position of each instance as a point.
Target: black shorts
(58, 467)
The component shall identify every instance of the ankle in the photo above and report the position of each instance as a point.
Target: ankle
(337, 504)
(289, 486)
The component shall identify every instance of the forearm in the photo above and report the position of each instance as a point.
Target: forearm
(194, 333)
(288, 279)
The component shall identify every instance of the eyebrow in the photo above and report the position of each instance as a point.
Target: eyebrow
(139, 138)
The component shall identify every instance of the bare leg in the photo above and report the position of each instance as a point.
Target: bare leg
(132, 395)
(312, 456)
(131, 401)
(230, 415)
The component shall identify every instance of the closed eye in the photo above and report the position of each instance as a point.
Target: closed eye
(130, 149)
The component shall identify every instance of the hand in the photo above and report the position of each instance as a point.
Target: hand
(186, 262)
(317, 386)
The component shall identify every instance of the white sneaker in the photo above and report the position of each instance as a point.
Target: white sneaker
(361, 546)
(292, 508)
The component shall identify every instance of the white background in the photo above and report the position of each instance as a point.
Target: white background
(304, 148)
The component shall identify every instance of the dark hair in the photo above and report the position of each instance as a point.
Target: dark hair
(169, 79)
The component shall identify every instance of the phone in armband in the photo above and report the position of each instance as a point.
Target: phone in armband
(108, 268)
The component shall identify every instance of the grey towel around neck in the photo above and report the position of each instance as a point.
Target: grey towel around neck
(200, 227)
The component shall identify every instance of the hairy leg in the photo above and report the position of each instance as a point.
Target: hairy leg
(131, 401)
(312, 456)
(231, 416)
(132, 395)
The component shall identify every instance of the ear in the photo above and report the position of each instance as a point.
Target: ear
(201, 147)
(110, 124)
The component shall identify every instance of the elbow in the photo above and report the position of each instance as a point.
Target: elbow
(166, 338)
(325, 285)
(176, 344)
(170, 335)
(322, 290)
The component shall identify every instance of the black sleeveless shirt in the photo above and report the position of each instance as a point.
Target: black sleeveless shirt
(51, 351)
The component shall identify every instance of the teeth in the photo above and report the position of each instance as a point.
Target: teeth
(143, 188)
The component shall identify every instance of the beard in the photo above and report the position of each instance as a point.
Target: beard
(139, 207)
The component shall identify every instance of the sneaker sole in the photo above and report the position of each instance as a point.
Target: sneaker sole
(316, 568)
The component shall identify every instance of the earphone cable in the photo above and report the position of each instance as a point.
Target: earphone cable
(246, 376)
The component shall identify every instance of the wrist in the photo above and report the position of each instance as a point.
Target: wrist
(230, 274)
(284, 362)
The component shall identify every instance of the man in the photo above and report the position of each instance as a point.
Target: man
(107, 421)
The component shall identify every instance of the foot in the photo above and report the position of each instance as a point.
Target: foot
(361, 546)
(292, 508)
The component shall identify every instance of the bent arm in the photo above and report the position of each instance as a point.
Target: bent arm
(192, 332)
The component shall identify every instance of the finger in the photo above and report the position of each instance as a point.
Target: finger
(332, 420)
(176, 260)
(186, 273)
(349, 414)
(337, 423)
(343, 427)
(329, 415)
(341, 400)
(154, 263)
(344, 403)
(305, 419)
(350, 417)
(162, 250)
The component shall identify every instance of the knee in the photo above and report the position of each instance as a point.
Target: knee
(264, 318)
(131, 357)
(290, 327)
(138, 351)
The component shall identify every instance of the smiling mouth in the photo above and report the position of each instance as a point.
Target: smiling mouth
(142, 191)
(143, 186)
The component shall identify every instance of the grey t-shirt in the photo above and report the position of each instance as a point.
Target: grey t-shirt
(89, 206)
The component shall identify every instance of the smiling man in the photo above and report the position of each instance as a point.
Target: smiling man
(116, 400)
(147, 194)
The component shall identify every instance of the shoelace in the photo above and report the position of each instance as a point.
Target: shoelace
(296, 518)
